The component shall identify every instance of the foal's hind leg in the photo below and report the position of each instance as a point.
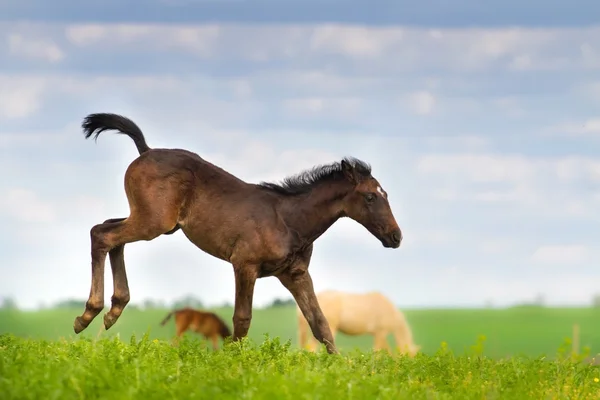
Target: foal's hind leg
(106, 237)
(120, 296)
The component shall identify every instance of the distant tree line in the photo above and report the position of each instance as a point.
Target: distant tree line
(8, 303)
(282, 303)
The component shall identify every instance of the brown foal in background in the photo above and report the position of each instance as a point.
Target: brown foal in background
(264, 229)
(206, 323)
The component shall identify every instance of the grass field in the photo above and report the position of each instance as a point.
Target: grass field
(532, 331)
(40, 357)
(154, 369)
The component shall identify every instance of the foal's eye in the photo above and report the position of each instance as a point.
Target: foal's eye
(370, 197)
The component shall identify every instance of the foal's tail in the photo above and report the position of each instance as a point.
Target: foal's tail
(168, 317)
(223, 328)
(94, 124)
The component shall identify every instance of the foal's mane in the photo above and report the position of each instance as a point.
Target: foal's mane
(306, 180)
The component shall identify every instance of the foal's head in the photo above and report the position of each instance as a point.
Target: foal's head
(362, 197)
(367, 203)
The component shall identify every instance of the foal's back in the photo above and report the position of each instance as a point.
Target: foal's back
(180, 164)
(213, 207)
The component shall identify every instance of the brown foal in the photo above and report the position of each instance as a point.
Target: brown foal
(264, 229)
(205, 323)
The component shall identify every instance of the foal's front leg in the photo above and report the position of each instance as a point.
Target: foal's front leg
(299, 283)
(245, 278)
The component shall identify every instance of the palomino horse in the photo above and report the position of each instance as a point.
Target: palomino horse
(206, 323)
(362, 313)
(264, 229)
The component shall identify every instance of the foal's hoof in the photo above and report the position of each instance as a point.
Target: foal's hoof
(109, 320)
(79, 325)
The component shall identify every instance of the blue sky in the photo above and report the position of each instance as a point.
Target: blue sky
(482, 125)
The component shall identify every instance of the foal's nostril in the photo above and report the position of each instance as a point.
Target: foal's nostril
(396, 237)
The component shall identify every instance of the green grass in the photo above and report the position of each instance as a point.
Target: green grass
(154, 369)
(524, 356)
(532, 331)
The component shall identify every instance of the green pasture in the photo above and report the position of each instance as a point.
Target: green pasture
(155, 369)
(531, 331)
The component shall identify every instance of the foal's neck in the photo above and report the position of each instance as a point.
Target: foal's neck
(312, 213)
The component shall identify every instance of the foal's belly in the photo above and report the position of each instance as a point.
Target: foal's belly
(207, 240)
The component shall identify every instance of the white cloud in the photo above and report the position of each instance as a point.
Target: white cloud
(479, 167)
(590, 126)
(498, 246)
(317, 79)
(519, 194)
(319, 105)
(468, 142)
(510, 105)
(35, 48)
(430, 238)
(422, 102)
(590, 55)
(576, 167)
(384, 47)
(546, 185)
(311, 105)
(561, 254)
(587, 89)
(25, 206)
(242, 89)
(516, 169)
(21, 95)
(17, 141)
(60, 218)
(200, 40)
(20, 98)
(353, 41)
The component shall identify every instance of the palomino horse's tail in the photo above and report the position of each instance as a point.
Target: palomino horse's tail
(94, 124)
(168, 317)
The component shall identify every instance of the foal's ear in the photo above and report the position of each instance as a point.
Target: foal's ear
(349, 172)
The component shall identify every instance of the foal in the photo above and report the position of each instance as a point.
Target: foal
(262, 229)
(205, 323)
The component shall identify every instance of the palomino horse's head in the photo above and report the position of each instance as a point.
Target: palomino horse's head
(414, 349)
(410, 350)
(368, 205)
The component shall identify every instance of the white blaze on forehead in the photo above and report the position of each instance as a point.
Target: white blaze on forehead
(380, 190)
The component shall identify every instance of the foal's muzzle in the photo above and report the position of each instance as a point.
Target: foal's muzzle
(392, 239)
